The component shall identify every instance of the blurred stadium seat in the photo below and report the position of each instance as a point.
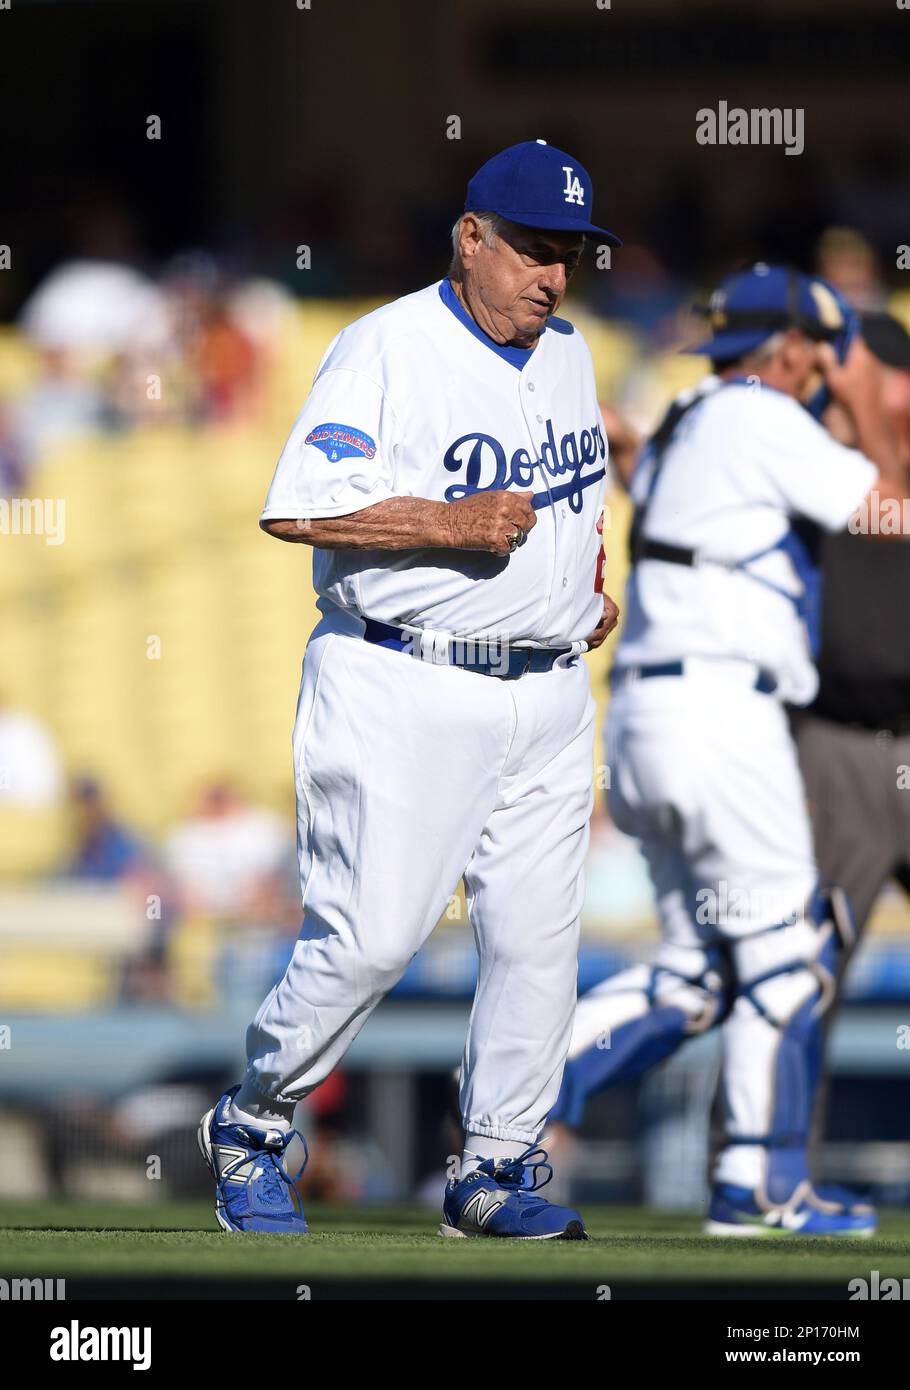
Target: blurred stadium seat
(62, 945)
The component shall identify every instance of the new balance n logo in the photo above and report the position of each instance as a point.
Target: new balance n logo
(229, 1162)
(480, 1206)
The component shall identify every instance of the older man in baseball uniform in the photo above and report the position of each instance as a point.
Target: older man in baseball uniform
(448, 469)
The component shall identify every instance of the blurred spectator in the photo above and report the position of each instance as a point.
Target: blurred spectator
(217, 358)
(91, 322)
(90, 307)
(846, 258)
(30, 775)
(105, 850)
(223, 361)
(64, 401)
(232, 859)
(100, 329)
(261, 309)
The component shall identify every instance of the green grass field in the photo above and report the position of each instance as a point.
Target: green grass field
(174, 1250)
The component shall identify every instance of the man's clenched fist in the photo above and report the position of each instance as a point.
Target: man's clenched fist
(486, 520)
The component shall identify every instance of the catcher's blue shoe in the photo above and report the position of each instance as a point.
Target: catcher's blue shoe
(497, 1199)
(844, 1199)
(254, 1191)
(735, 1211)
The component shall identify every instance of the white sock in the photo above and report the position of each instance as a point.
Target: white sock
(251, 1107)
(742, 1165)
(477, 1147)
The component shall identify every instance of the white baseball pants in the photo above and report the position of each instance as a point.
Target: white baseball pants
(409, 776)
(704, 772)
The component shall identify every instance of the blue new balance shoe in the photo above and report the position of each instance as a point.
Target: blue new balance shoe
(734, 1211)
(498, 1199)
(254, 1191)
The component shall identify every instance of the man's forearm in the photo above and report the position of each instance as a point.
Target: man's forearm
(398, 523)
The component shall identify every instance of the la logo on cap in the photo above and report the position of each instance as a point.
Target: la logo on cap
(573, 191)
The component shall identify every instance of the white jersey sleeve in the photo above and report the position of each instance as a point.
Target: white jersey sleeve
(810, 473)
(339, 457)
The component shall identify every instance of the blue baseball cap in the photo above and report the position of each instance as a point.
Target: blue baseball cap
(750, 306)
(536, 185)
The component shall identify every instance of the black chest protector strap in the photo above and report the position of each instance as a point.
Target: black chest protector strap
(640, 548)
(646, 549)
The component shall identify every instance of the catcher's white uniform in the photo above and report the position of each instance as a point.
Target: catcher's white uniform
(704, 771)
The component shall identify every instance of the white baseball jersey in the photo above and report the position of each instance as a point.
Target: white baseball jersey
(415, 400)
(741, 465)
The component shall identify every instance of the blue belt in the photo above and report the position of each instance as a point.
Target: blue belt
(765, 681)
(506, 663)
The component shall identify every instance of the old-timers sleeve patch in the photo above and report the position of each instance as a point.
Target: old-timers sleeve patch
(341, 442)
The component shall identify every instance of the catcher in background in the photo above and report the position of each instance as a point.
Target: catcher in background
(731, 493)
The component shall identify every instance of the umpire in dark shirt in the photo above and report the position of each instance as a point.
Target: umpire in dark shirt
(855, 739)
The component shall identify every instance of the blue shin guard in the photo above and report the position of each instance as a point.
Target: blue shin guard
(624, 1048)
(797, 1057)
(633, 1049)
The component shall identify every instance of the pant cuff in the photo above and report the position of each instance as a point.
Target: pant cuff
(251, 1088)
(514, 1136)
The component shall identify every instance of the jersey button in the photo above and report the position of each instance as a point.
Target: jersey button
(565, 582)
(540, 419)
(530, 386)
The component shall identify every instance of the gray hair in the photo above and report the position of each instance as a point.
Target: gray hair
(761, 355)
(491, 225)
